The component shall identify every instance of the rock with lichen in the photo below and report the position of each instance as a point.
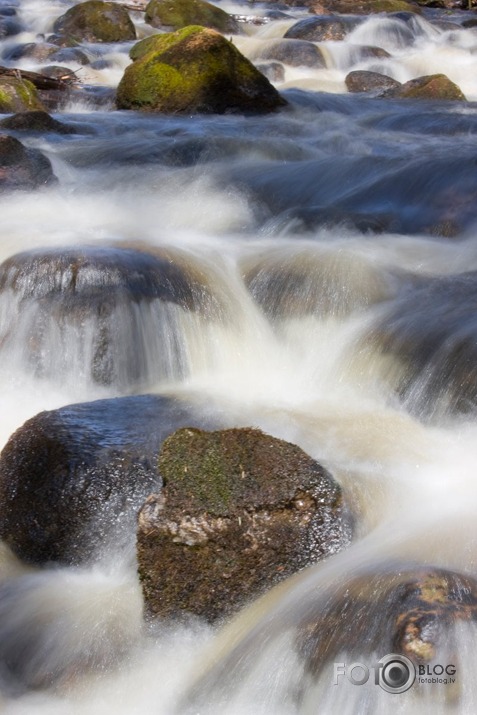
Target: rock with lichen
(434, 86)
(18, 95)
(180, 13)
(194, 70)
(239, 512)
(96, 21)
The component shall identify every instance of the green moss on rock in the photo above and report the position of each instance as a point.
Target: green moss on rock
(180, 13)
(239, 511)
(435, 86)
(194, 70)
(96, 21)
(18, 95)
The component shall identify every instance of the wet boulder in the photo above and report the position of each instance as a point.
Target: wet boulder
(435, 86)
(18, 95)
(36, 122)
(413, 611)
(180, 13)
(22, 168)
(96, 21)
(109, 316)
(321, 28)
(296, 53)
(239, 511)
(363, 7)
(195, 70)
(274, 71)
(73, 479)
(431, 334)
(364, 81)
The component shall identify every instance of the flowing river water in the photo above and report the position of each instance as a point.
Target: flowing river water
(337, 240)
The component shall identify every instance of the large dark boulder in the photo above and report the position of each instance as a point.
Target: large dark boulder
(180, 13)
(194, 70)
(240, 510)
(100, 315)
(22, 168)
(296, 53)
(96, 21)
(73, 479)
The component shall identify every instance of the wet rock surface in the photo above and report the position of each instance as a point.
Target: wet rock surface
(164, 14)
(73, 479)
(239, 511)
(96, 21)
(40, 122)
(21, 167)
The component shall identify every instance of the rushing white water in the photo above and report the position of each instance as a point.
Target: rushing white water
(269, 212)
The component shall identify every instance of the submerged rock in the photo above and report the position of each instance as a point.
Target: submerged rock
(434, 86)
(411, 611)
(180, 13)
(105, 315)
(432, 335)
(18, 95)
(73, 479)
(194, 70)
(295, 53)
(240, 511)
(22, 168)
(96, 21)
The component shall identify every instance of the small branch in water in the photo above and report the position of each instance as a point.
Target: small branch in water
(40, 81)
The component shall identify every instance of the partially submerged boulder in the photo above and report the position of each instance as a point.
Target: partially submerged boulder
(18, 95)
(323, 28)
(180, 13)
(96, 21)
(195, 70)
(240, 511)
(363, 7)
(22, 168)
(38, 121)
(108, 315)
(434, 86)
(73, 479)
(296, 53)
(364, 81)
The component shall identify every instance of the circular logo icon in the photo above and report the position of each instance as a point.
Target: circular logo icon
(396, 673)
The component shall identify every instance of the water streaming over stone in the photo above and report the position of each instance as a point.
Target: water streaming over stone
(312, 273)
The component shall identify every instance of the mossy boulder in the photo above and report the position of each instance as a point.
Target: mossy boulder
(96, 21)
(18, 95)
(239, 511)
(195, 70)
(73, 479)
(181, 13)
(434, 86)
(22, 168)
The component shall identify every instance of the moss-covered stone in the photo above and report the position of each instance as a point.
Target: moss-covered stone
(434, 86)
(195, 70)
(180, 13)
(96, 21)
(18, 95)
(239, 511)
